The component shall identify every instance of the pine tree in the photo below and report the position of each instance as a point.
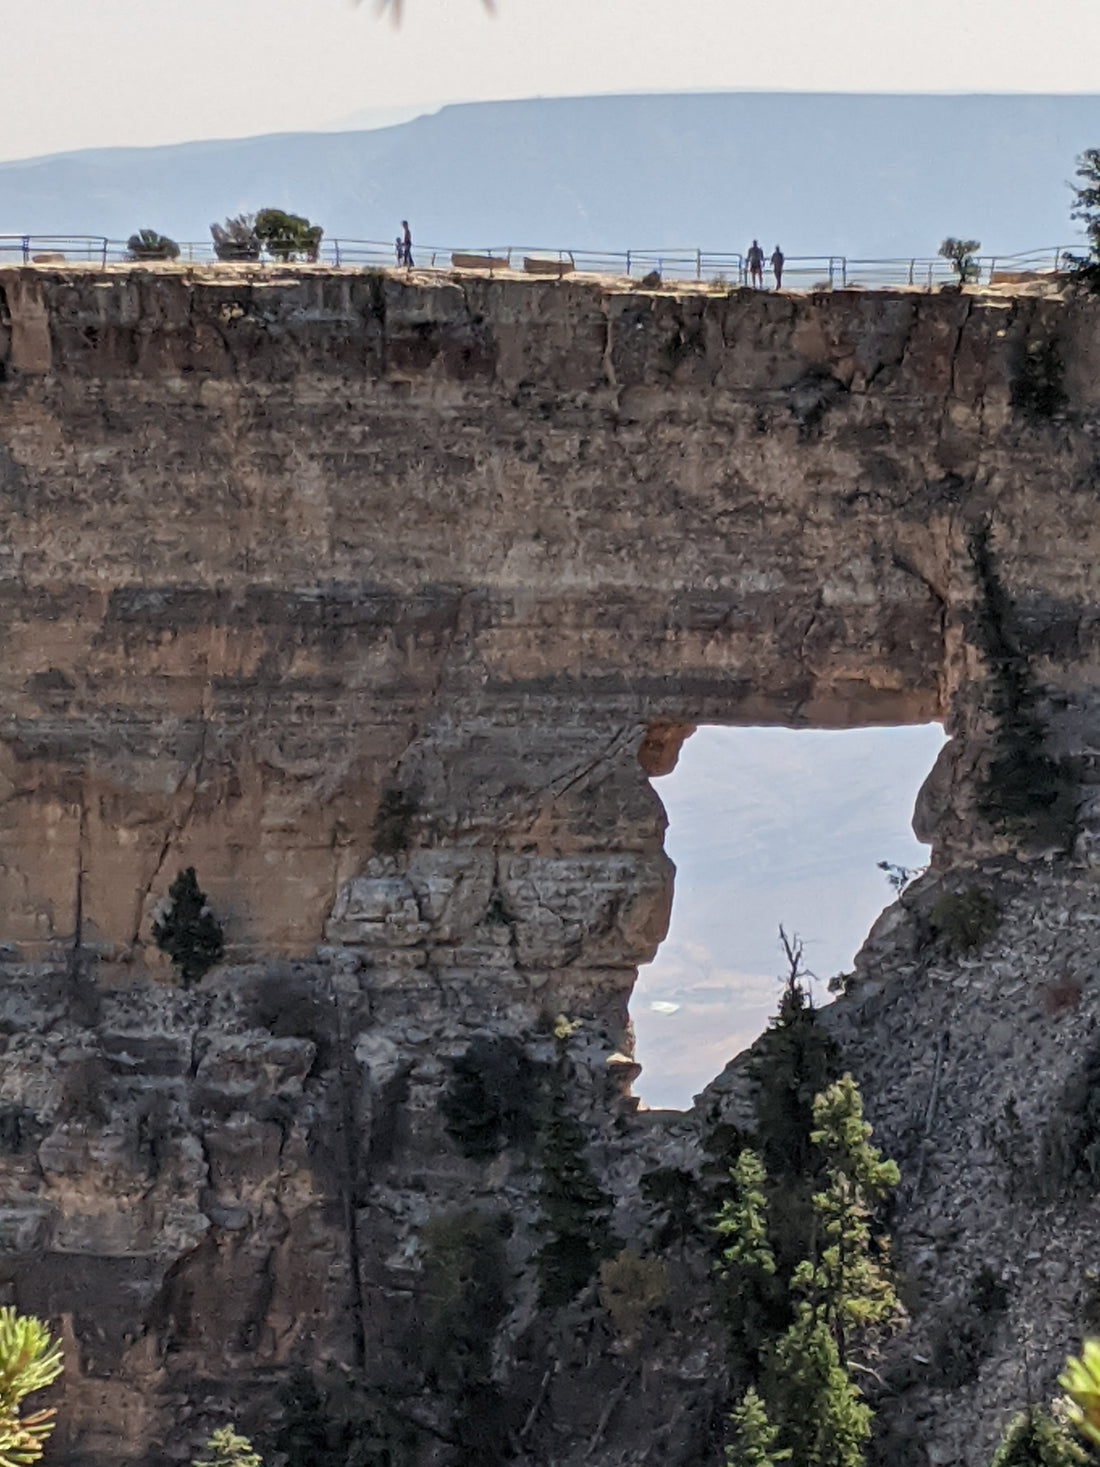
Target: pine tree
(826, 1421)
(847, 1285)
(188, 931)
(753, 1299)
(795, 1060)
(576, 1211)
(754, 1437)
(1081, 1381)
(846, 1288)
(226, 1449)
(29, 1361)
(1086, 210)
(1036, 1438)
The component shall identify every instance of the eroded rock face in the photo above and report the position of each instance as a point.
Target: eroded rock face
(275, 550)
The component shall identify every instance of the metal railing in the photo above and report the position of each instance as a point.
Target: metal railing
(800, 272)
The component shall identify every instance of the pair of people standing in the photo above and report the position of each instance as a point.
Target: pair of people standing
(755, 261)
(403, 245)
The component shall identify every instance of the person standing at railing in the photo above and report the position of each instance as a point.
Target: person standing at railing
(776, 263)
(406, 243)
(755, 258)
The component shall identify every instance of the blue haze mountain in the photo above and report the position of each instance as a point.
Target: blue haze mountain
(858, 174)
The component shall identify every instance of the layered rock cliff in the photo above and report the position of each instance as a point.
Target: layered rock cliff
(376, 601)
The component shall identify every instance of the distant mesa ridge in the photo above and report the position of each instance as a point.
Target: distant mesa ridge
(819, 173)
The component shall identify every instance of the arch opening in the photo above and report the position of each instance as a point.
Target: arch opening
(768, 826)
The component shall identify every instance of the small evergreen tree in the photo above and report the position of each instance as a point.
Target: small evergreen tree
(576, 1211)
(960, 253)
(847, 1285)
(236, 238)
(29, 1361)
(188, 931)
(795, 1060)
(226, 1449)
(288, 236)
(1086, 209)
(742, 1220)
(466, 1301)
(826, 1422)
(1035, 1438)
(847, 1292)
(490, 1100)
(754, 1437)
(148, 244)
(1081, 1381)
(753, 1300)
(680, 1214)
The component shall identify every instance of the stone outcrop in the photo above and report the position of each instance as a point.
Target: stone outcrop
(377, 602)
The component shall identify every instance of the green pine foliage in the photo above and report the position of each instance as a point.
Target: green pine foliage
(225, 1448)
(148, 244)
(679, 1215)
(964, 921)
(742, 1219)
(1036, 1438)
(288, 236)
(960, 253)
(848, 1283)
(466, 1298)
(753, 1301)
(393, 820)
(825, 1421)
(576, 1211)
(796, 1339)
(236, 238)
(1086, 210)
(795, 1060)
(30, 1360)
(188, 931)
(1081, 1381)
(755, 1439)
(490, 1100)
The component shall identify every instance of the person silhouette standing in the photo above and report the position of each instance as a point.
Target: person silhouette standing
(755, 259)
(776, 263)
(406, 243)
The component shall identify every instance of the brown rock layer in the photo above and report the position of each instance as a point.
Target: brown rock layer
(272, 545)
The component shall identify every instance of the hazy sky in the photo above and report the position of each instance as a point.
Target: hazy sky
(83, 73)
(768, 825)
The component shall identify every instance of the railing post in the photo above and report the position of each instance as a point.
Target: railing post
(912, 267)
(844, 269)
(336, 251)
(26, 249)
(830, 272)
(628, 262)
(698, 264)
